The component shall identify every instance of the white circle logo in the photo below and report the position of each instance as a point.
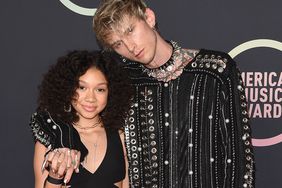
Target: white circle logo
(78, 9)
(256, 44)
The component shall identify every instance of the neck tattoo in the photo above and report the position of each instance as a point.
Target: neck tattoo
(173, 68)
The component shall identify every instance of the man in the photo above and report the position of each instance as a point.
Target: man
(188, 125)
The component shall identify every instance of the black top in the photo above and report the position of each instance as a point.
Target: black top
(110, 171)
(49, 130)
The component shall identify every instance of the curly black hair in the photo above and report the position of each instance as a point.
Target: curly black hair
(59, 84)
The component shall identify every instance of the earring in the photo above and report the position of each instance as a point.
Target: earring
(67, 109)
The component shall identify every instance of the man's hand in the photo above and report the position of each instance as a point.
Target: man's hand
(62, 162)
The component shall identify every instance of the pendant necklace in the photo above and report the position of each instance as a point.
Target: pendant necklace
(95, 145)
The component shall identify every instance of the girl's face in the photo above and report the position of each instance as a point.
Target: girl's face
(91, 95)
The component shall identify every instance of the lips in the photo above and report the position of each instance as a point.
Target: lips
(89, 108)
(139, 54)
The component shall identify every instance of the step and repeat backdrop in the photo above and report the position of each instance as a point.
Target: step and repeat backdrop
(35, 32)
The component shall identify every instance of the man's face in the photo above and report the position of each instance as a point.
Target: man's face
(135, 39)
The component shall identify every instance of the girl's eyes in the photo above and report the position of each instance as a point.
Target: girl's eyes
(81, 87)
(101, 90)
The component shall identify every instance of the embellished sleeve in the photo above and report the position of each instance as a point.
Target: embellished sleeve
(236, 129)
(49, 130)
(40, 129)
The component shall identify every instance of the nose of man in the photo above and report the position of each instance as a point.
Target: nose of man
(130, 45)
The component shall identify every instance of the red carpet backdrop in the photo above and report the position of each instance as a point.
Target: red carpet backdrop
(35, 32)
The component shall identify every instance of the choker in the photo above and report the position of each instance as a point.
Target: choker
(89, 127)
(173, 68)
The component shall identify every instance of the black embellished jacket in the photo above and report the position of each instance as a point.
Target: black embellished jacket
(192, 131)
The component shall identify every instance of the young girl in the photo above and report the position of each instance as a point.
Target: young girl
(83, 100)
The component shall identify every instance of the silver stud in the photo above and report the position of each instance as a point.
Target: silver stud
(210, 116)
(132, 133)
(166, 162)
(245, 120)
(134, 155)
(212, 159)
(152, 136)
(54, 127)
(151, 128)
(131, 112)
(136, 104)
(136, 177)
(166, 114)
(166, 124)
(228, 160)
(192, 97)
(240, 87)
(227, 120)
(244, 137)
(154, 157)
(153, 143)
(49, 121)
(154, 150)
(190, 145)
(176, 132)
(165, 84)
(169, 68)
(245, 185)
(220, 69)
(131, 126)
(214, 66)
(131, 119)
(244, 112)
(246, 176)
(190, 130)
(151, 121)
(133, 148)
(190, 172)
(139, 149)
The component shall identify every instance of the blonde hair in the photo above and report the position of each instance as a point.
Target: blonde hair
(110, 15)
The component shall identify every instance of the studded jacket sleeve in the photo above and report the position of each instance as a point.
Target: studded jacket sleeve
(235, 130)
(50, 131)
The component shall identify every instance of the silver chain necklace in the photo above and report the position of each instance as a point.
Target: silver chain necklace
(173, 67)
